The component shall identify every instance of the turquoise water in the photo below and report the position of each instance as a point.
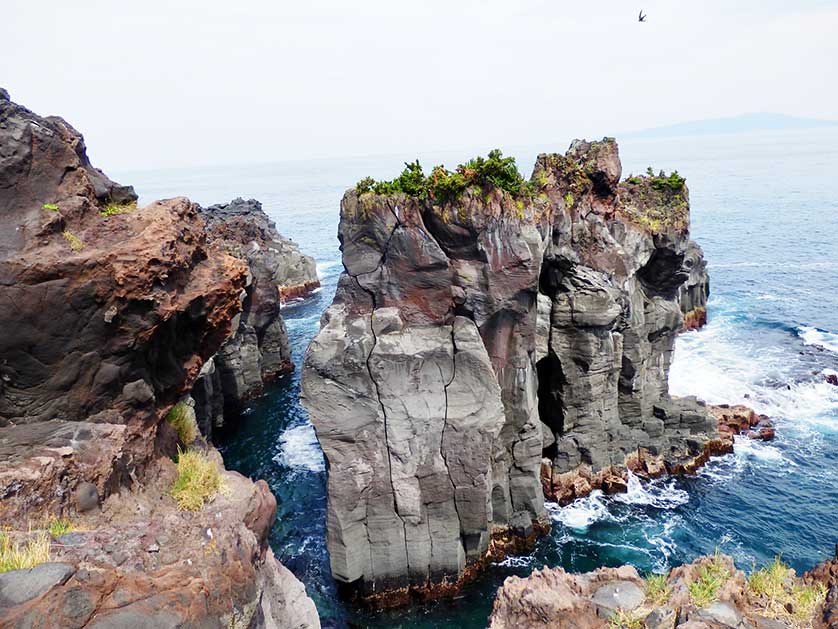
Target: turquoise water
(765, 209)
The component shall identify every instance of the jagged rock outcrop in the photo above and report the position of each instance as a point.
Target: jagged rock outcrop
(110, 313)
(709, 593)
(471, 337)
(258, 351)
(695, 291)
(826, 574)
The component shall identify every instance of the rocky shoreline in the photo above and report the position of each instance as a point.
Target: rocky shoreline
(117, 312)
(487, 348)
(709, 593)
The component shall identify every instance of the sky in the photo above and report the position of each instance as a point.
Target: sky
(155, 84)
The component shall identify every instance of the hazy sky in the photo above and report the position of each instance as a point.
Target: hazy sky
(156, 83)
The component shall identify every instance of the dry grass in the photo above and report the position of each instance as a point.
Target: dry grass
(625, 620)
(711, 577)
(182, 418)
(16, 555)
(75, 242)
(782, 596)
(657, 590)
(198, 480)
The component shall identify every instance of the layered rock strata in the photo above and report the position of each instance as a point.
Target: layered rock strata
(110, 313)
(469, 339)
(258, 351)
(618, 597)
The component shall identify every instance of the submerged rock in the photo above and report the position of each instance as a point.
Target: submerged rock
(487, 350)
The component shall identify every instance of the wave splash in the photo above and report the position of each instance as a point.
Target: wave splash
(819, 338)
(299, 449)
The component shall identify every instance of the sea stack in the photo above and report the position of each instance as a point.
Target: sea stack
(492, 341)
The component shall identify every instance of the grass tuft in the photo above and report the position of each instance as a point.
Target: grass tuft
(711, 577)
(58, 527)
(75, 242)
(778, 592)
(22, 556)
(113, 209)
(625, 620)
(181, 417)
(52, 207)
(198, 480)
(657, 590)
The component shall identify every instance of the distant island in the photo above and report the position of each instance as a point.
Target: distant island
(758, 121)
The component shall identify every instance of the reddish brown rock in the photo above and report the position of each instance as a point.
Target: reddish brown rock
(832, 379)
(827, 574)
(741, 420)
(115, 310)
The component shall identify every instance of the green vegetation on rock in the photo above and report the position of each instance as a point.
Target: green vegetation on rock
(50, 206)
(58, 527)
(657, 589)
(622, 619)
(117, 208)
(781, 596)
(711, 577)
(441, 186)
(198, 480)
(181, 417)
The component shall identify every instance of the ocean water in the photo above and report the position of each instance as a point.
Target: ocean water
(765, 210)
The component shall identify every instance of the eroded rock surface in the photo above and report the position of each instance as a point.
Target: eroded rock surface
(469, 340)
(709, 593)
(109, 314)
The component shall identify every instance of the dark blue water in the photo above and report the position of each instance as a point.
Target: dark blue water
(765, 209)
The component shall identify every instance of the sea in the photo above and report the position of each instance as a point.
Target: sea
(765, 210)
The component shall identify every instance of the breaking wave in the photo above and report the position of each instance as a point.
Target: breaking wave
(299, 449)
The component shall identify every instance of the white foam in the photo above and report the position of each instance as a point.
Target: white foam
(819, 338)
(753, 449)
(324, 269)
(660, 494)
(299, 449)
(516, 561)
(580, 514)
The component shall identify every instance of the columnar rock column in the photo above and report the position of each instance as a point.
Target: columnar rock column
(475, 340)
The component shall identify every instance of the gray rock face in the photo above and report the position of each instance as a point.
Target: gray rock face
(618, 595)
(258, 351)
(467, 340)
(19, 586)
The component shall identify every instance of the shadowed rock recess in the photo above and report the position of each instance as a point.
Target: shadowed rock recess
(492, 348)
(258, 351)
(108, 314)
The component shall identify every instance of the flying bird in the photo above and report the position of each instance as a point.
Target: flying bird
(641, 17)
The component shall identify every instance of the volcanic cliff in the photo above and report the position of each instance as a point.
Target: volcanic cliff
(493, 341)
(109, 313)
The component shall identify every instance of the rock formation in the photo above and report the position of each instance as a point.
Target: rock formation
(709, 593)
(473, 334)
(826, 574)
(258, 351)
(109, 313)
